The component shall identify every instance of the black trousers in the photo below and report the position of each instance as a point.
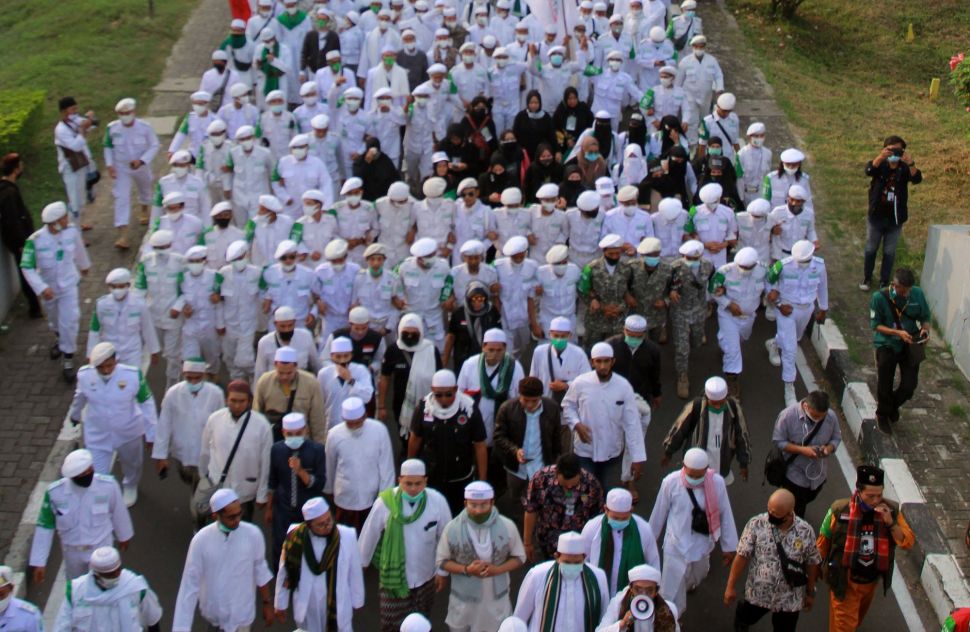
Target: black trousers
(888, 399)
(803, 495)
(748, 614)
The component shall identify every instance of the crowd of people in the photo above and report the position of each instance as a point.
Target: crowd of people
(435, 248)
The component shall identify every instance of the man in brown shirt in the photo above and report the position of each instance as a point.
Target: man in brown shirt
(287, 389)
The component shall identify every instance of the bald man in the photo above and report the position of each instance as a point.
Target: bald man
(768, 587)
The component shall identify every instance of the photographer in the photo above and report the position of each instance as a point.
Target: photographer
(74, 160)
(890, 172)
(900, 318)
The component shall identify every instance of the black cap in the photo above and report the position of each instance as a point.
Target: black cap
(66, 102)
(869, 475)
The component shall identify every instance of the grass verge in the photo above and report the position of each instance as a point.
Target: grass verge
(98, 51)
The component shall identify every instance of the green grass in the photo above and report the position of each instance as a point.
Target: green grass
(846, 78)
(957, 411)
(98, 51)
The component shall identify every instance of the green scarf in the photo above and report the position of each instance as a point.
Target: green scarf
(297, 547)
(591, 596)
(393, 577)
(233, 41)
(271, 72)
(291, 21)
(630, 555)
(505, 371)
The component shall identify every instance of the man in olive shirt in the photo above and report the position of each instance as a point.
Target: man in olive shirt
(288, 389)
(900, 317)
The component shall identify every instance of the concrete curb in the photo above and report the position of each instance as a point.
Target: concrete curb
(940, 576)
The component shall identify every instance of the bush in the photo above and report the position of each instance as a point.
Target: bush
(18, 108)
(960, 77)
(787, 8)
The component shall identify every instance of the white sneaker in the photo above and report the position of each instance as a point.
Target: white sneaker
(864, 286)
(771, 312)
(790, 398)
(129, 495)
(772, 348)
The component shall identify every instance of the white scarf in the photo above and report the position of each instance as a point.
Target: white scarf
(419, 380)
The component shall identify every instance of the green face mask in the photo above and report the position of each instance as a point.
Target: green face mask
(336, 67)
(377, 272)
(632, 342)
(716, 409)
(480, 518)
(225, 529)
(323, 23)
(559, 344)
(412, 499)
(237, 40)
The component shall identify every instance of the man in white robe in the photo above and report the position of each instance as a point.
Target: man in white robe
(558, 362)
(342, 379)
(503, 372)
(644, 583)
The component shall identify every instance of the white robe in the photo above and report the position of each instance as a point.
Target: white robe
(182, 420)
(593, 539)
(611, 619)
(468, 383)
(567, 366)
(570, 616)
(359, 466)
(673, 509)
(334, 393)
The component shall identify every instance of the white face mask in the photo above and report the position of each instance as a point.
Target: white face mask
(299, 152)
(309, 208)
(468, 59)
(338, 267)
(247, 144)
(615, 64)
(200, 109)
(521, 37)
(288, 267)
(482, 20)
(174, 216)
(292, 10)
(559, 269)
(119, 293)
(433, 203)
(195, 267)
(353, 199)
(239, 264)
(666, 81)
(353, 104)
(126, 119)
(217, 139)
(5, 602)
(383, 24)
(548, 205)
(277, 108)
(421, 101)
(410, 47)
(757, 142)
(699, 53)
(107, 582)
(501, 62)
(443, 43)
(310, 101)
(791, 170)
(711, 206)
(180, 172)
(629, 210)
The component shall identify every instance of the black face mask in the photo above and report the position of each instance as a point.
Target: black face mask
(220, 68)
(285, 336)
(590, 214)
(776, 521)
(796, 209)
(410, 338)
(223, 223)
(545, 162)
(612, 260)
(83, 480)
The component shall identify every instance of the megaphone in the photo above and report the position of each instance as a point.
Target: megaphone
(642, 608)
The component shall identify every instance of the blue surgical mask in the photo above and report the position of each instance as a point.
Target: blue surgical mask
(892, 292)
(693, 265)
(556, 60)
(653, 262)
(893, 159)
(632, 341)
(294, 443)
(695, 481)
(862, 505)
(618, 525)
(570, 571)
(592, 155)
(225, 529)
(412, 499)
(195, 388)
(715, 151)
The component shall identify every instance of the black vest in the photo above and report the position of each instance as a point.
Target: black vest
(365, 348)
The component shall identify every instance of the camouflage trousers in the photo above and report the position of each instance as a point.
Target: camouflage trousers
(688, 334)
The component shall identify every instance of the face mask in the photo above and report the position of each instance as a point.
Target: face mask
(612, 260)
(482, 20)
(745, 271)
(199, 109)
(323, 25)
(376, 273)
(382, 25)
(653, 262)
(247, 144)
(791, 170)
(195, 267)
(309, 209)
(84, 480)
(559, 269)
(338, 267)
(715, 151)
(695, 481)
(412, 499)
(521, 37)
(666, 81)
(556, 60)
(711, 206)
(501, 62)
(288, 267)
(893, 159)
(119, 293)
(433, 203)
(335, 67)
(468, 59)
(776, 521)
(127, 119)
(548, 206)
(410, 47)
(443, 44)
(421, 101)
(796, 209)
(276, 108)
(239, 265)
(353, 105)
(559, 344)
(615, 64)
(225, 529)
(294, 443)
(180, 171)
(5, 602)
(217, 139)
(107, 583)
(353, 199)
(863, 505)
(410, 338)
(196, 387)
(292, 10)
(299, 152)
(310, 101)
(285, 336)
(570, 571)
(592, 155)
(757, 142)
(694, 265)
(629, 210)
(618, 525)
(688, 15)
(264, 14)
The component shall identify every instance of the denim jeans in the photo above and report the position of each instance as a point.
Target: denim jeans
(606, 472)
(889, 236)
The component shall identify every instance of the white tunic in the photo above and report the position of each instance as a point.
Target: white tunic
(115, 411)
(572, 607)
(673, 506)
(335, 391)
(302, 341)
(566, 366)
(611, 618)
(131, 606)
(517, 288)
(610, 411)
(559, 294)
(221, 574)
(182, 419)
(359, 464)
(593, 539)
(249, 471)
(469, 384)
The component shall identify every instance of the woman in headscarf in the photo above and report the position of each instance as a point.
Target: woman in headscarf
(590, 161)
(494, 181)
(572, 116)
(533, 125)
(633, 169)
(479, 128)
(636, 133)
(468, 323)
(669, 135)
(678, 180)
(515, 159)
(544, 169)
(462, 154)
(441, 168)
(606, 139)
(572, 185)
(409, 361)
(720, 170)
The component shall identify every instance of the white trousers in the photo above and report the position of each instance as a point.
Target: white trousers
(238, 354)
(434, 327)
(130, 455)
(791, 328)
(76, 187)
(679, 576)
(206, 346)
(244, 206)
(63, 318)
(121, 189)
(169, 339)
(731, 332)
(77, 558)
(519, 339)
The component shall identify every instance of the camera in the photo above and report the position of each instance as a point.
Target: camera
(898, 151)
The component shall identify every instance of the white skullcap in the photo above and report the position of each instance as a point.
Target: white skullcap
(746, 257)
(512, 196)
(424, 247)
(489, 41)
(467, 46)
(6, 576)
(237, 90)
(341, 345)
(550, 29)
(479, 490)
(270, 203)
(503, 4)
(76, 463)
(194, 365)
(791, 155)
(548, 190)
(557, 254)
(408, 32)
(601, 350)
(308, 87)
(285, 247)
(627, 193)
(287, 355)
(696, 459)
(125, 105)
(515, 245)
(118, 276)
(797, 192)
(219, 55)
(726, 101)
(561, 323)
(105, 559)
(300, 140)
(599, 6)
(670, 208)
(383, 93)
(352, 409)
(217, 126)
(320, 121)
(294, 421)
(688, 4)
(438, 69)
(245, 131)
(500, 51)
(635, 323)
(759, 207)
(201, 95)
(284, 314)
(422, 91)
(698, 40)
(561, 50)
(53, 212)
(710, 193)
(350, 184)
(589, 200)
(222, 499)
(467, 183)
(172, 198)
(604, 185)
(668, 70)
(715, 388)
(443, 379)
(802, 250)
(513, 624)
(237, 24)
(495, 335)
(314, 508)
(616, 18)
(644, 573)
(570, 543)
(611, 241)
(375, 248)
(398, 191)
(359, 316)
(434, 187)
(756, 128)
(413, 467)
(195, 253)
(648, 245)
(314, 194)
(336, 249)
(472, 247)
(332, 55)
(614, 54)
(657, 34)
(267, 35)
(691, 248)
(220, 207)
(415, 622)
(619, 500)
(438, 156)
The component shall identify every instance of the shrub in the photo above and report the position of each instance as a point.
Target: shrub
(18, 109)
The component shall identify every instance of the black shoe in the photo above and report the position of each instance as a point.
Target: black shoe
(885, 426)
(55, 351)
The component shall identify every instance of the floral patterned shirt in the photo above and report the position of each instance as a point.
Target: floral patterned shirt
(559, 509)
(766, 585)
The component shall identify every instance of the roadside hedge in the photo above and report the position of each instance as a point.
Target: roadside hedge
(18, 109)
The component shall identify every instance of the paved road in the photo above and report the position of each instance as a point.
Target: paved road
(163, 531)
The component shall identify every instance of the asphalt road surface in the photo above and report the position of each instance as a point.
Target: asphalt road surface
(163, 529)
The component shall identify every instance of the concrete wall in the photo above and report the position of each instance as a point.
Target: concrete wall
(9, 283)
(946, 281)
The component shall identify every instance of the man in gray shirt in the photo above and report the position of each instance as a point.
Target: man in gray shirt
(807, 460)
